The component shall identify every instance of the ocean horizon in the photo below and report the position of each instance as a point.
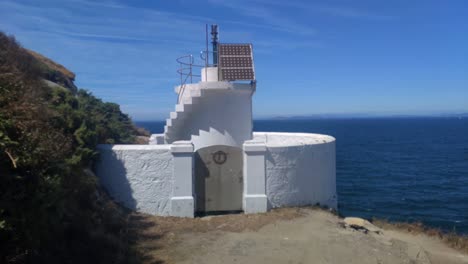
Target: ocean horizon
(406, 169)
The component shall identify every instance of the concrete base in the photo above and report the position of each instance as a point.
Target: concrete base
(182, 206)
(256, 203)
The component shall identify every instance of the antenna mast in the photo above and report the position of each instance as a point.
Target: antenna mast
(214, 41)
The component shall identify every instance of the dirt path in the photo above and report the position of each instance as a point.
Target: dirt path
(285, 236)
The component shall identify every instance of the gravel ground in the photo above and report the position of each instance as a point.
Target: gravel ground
(287, 235)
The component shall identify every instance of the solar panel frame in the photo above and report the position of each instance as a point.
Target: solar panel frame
(235, 62)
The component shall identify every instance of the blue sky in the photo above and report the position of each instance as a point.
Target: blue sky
(311, 57)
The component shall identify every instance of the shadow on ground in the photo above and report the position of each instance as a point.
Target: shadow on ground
(144, 239)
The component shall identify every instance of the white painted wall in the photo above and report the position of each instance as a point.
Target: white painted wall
(209, 74)
(280, 169)
(138, 176)
(224, 118)
(221, 116)
(300, 169)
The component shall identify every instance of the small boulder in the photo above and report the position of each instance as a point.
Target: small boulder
(361, 224)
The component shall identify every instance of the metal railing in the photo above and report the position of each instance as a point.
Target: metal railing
(186, 67)
(185, 70)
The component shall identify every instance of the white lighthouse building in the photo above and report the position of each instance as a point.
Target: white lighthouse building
(209, 159)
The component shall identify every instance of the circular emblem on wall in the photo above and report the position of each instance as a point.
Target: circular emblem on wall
(219, 157)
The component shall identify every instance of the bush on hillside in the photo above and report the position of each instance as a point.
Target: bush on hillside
(51, 209)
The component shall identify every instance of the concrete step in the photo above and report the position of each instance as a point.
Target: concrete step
(196, 93)
(173, 123)
(183, 110)
(199, 133)
(184, 107)
(170, 137)
(178, 115)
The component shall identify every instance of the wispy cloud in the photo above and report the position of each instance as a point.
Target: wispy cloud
(125, 51)
(267, 18)
(348, 12)
(108, 4)
(331, 9)
(121, 53)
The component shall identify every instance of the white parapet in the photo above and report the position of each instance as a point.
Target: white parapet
(300, 169)
(279, 169)
(138, 177)
(153, 179)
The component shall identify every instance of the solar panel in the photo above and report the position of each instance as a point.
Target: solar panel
(230, 62)
(237, 74)
(235, 49)
(235, 62)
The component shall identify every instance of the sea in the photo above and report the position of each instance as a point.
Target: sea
(397, 169)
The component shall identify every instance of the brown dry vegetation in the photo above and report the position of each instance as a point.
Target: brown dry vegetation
(153, 236)
(452, 239)
(52, 64)
(164, 239)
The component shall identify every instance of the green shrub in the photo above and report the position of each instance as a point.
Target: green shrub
(51, 209)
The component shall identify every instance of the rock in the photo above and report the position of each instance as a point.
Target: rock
(142, 140)
(361, 224)
(54, 73)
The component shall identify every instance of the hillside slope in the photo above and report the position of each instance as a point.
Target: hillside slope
(51, 207)
(54, 72)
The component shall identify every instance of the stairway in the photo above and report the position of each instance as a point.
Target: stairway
(174, 128)
(212, 113)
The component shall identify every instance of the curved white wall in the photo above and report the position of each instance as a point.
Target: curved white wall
(138, 176)
(224, 118)
(300, 169)
(223, 115)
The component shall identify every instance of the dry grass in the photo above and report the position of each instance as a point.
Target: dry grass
(153, 236)
(52, 64)
(452, 239)
(227, 222)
